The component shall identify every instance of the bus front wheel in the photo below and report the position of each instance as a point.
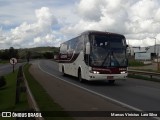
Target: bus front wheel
(80, 76)
(63, 71)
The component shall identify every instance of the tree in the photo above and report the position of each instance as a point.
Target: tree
(8, 53)
(13, 52)
(2, 81)
(48, 55)
(5, 54)
(28, 55)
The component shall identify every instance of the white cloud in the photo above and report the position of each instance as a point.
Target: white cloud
(90, 9)
(138, 20)
(36, 33)
(45, 18)
(145, 9)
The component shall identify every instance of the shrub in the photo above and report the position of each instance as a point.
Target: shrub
(48, 55)
(2, 81)
(135, 63)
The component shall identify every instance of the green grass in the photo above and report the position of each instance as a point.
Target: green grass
(147, 70)
(134, 63)
(143, 78)
(4, 61)
(7, 93)
(43, 100)
(7, 96)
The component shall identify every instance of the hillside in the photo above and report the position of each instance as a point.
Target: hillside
(22, 53)
(37, 51)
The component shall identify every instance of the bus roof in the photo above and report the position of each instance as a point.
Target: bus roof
(96, 32)
(100, 32)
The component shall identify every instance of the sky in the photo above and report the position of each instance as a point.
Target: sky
(34, 23)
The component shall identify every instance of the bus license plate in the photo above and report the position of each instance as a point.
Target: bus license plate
(109, 77)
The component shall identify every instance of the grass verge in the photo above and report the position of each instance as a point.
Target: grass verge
(43, 100)
(147, 70)
(143, 78)
(4, 61)
(134, 63)
(7, 96)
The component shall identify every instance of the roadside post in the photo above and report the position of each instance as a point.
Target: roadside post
(158, 66)
(13, 61)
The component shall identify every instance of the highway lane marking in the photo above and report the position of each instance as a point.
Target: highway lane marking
(98, 94)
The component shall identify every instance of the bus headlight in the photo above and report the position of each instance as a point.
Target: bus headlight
(95, 72)
(123, 72)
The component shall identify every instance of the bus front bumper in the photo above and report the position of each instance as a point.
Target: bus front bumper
(93, 76)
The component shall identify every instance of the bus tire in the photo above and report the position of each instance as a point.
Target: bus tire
(80, 76)
(63, 71)
(111, 81)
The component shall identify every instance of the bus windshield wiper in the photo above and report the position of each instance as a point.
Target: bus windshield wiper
(105, 59)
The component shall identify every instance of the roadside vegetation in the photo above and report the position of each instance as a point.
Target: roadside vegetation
(138, 65)
(134, 63)
(4, 61)
(44, 101)
(27, 53)
(147, 70)
(8, 94)
(143, 78)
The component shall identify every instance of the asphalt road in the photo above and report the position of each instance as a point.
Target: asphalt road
(132, 93)
(7, 68)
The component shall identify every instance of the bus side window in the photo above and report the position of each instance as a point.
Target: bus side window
(80, 44)
(63, 48)
(101, 44)
(106, 43)
(86, 57)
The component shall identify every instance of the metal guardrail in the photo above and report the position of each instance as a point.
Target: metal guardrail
(151, 74)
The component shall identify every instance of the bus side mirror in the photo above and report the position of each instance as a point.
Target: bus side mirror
(127, 46)
(88, 48)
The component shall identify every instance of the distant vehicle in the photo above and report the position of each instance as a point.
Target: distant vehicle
(94, 55)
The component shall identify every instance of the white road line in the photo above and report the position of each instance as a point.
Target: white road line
(101, 95)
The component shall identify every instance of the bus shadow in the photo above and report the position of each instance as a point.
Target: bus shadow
(100, 83)
(94, 83)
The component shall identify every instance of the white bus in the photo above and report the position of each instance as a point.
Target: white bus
(94, 55)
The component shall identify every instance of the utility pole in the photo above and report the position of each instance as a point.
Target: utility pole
(156, 52)
(156, 55)
(155, 47)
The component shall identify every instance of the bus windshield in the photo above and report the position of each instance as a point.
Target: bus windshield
(108, 51)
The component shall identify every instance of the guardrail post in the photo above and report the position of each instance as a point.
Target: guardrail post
(158, 66)
(18, 88)
(17, 94)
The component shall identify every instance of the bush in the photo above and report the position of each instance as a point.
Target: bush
(135, 63)
(2, 81)
(48, 55)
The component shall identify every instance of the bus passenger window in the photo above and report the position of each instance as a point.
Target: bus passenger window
(101, 44)
(63, 48)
